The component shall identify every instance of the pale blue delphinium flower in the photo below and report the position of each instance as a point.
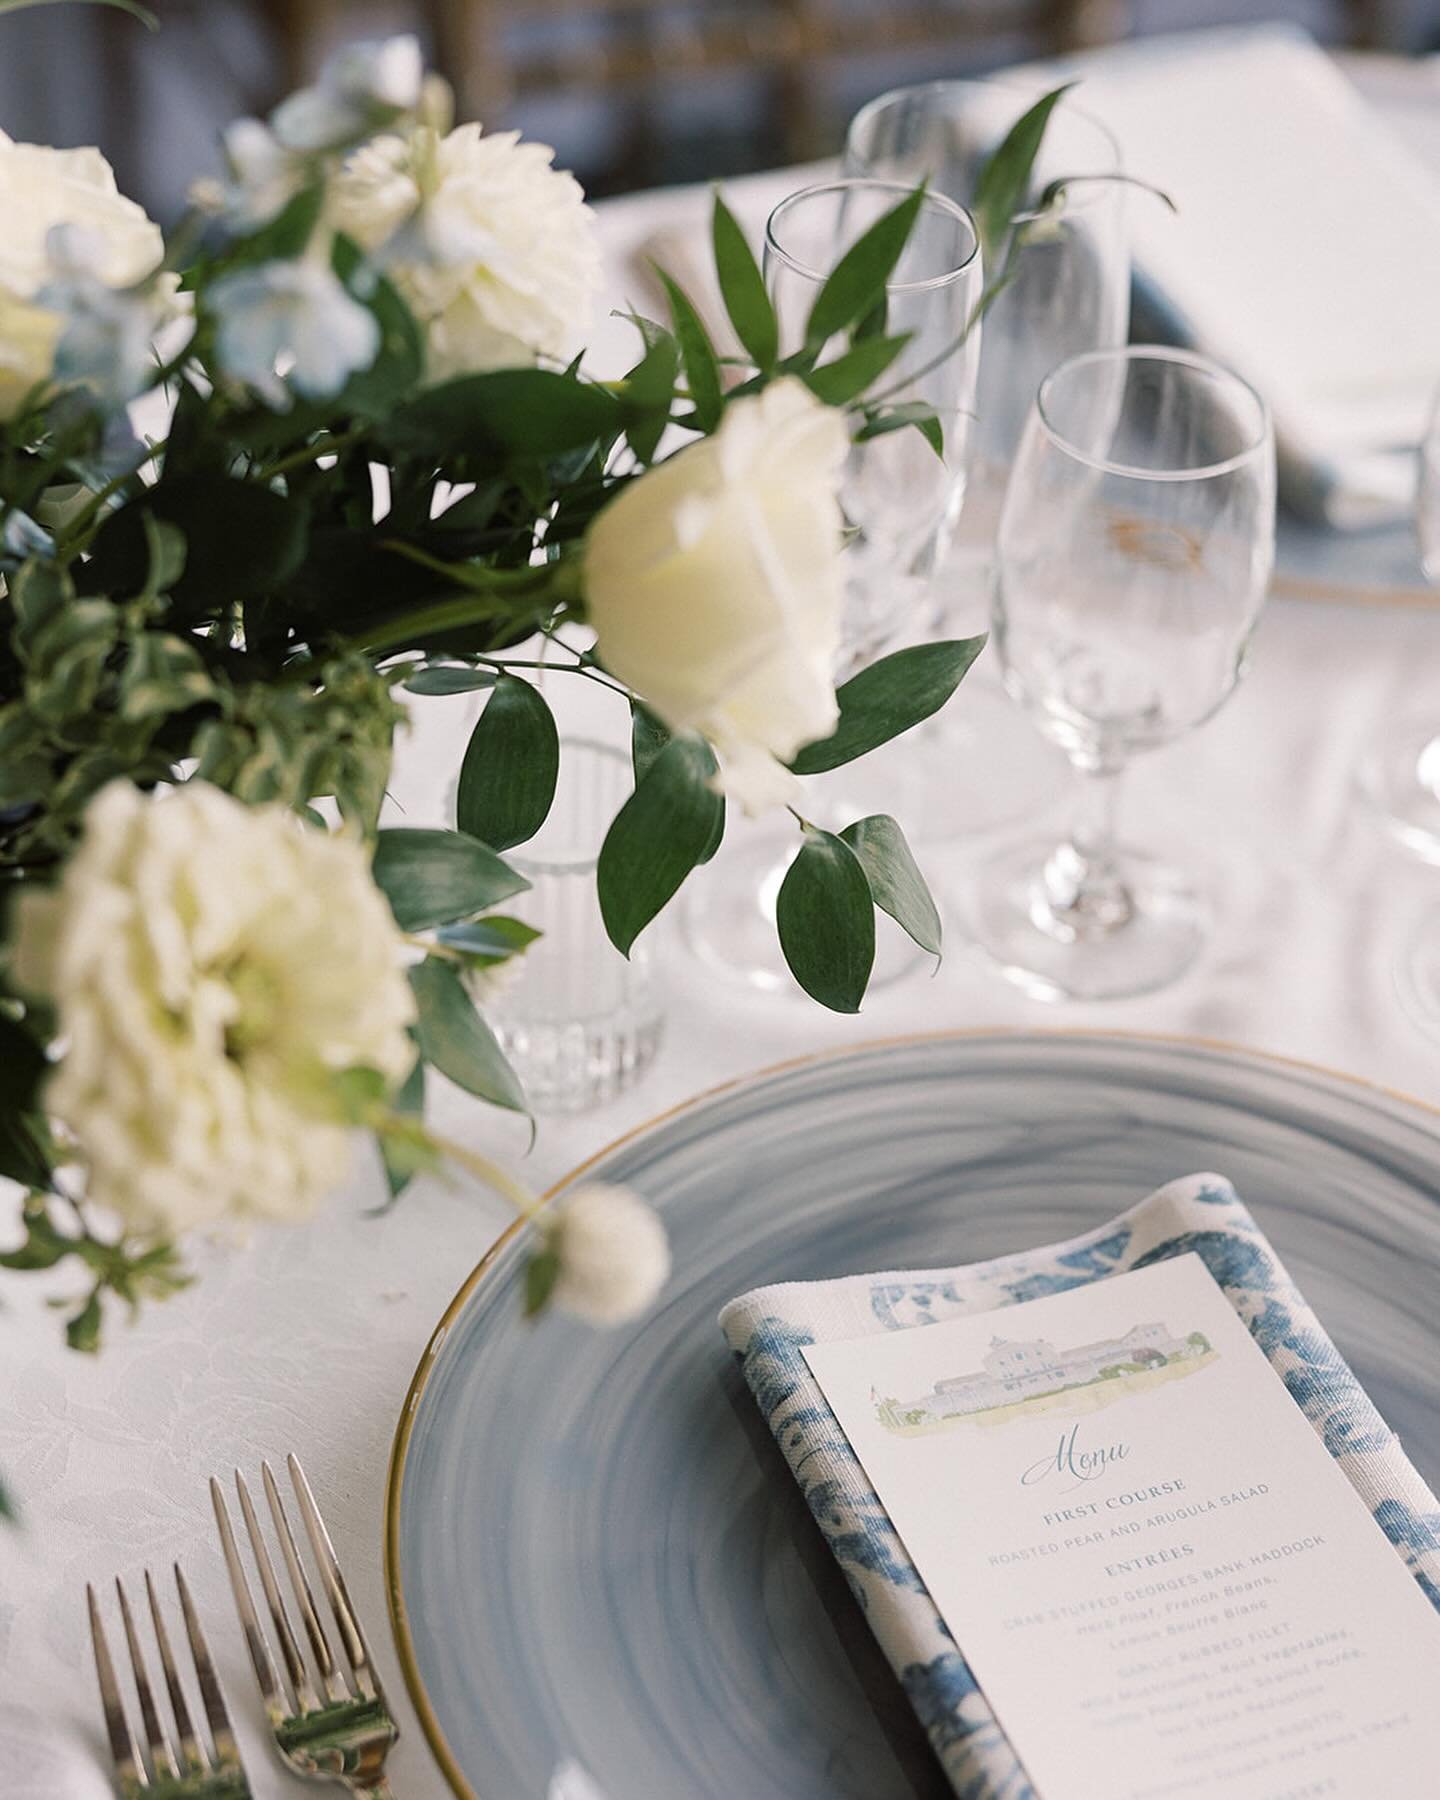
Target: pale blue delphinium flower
(361, 88)
(291, 327)
(107, 335)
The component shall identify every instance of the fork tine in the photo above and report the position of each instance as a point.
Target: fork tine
(223, 1738)
(275, 1703)
(305, 1696)
(162, 1757)
(192, 1752)
(335, 1688)
(347, 1620)
(128, 1766)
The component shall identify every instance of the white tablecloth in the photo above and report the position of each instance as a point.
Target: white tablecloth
(307, 1339)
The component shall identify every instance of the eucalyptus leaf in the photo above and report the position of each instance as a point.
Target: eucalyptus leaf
(648, 737)
(512, 762)
(541, 1273)
(649, 391)
(702, 368)
(142, 13)
(896, 884)
(742, 287)
(455, 1040)
(888, 698)
(664, 829)
(856, 285)
(1004, 182)
(826, 920)
(440, 877)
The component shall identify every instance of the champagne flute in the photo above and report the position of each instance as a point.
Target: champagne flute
(898, 497)
(1135, 550)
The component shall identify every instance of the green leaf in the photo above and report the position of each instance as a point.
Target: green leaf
(45, 1244)
(648, 737)
(888, 698)
(512, 762)
(7, 1505)
(649, 391)
(399, 1154)
(142, 13)
(702, 369)
(541, 1273)
(24, 1138)
(360, 1091)
(440, 877)
(448, 680)
(82, 1331)
(896, 884)
(899, 418)
(846, 377)
(662, 831)
(857, 282)
(1005, 179)
(495, 938)
(163, 673)
(455, 1040)
(826, 920)
(742, 287)
(526, 412)
(241, 540)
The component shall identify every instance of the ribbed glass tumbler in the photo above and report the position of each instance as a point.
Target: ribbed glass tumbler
(578, 1022)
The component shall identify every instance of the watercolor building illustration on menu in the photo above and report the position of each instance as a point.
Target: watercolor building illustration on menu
(1022, 1377)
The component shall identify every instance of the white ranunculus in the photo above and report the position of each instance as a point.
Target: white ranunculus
(41, 189)
(614, 1255)
(715, 586)
(494, 249)
(291, 325)
(213, 966)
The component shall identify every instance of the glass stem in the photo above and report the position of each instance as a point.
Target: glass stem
(1085, 892)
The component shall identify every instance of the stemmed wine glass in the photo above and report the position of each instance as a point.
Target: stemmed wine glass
(898, 497)
(1066, 290)
(1135, 548)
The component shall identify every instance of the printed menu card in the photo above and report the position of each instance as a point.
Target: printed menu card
(1164, 1585)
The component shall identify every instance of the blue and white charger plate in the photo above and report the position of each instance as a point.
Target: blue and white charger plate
(594, 1552)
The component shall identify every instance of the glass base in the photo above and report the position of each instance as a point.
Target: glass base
(570, 1067)
(1401, 780)
(1141, 944)
(1418, 975)
(728, 919)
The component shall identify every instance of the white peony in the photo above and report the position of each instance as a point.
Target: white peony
(213, 966)
(715, 587)
(40, 189)
(291, 325)
(493, 248)
(614, 1255)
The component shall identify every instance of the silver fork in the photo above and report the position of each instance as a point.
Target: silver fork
(182, 1769)
(341, 1729)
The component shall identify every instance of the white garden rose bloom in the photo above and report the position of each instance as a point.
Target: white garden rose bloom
(614, 1255)
(40, 189)
(493, 248)
(213, 966)
(715, 587)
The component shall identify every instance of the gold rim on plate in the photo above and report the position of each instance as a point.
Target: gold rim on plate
(395, 1599)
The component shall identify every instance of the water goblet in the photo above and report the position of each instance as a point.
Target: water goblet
(1134, 553)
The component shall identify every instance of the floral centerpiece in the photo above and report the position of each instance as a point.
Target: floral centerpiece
(329, 446)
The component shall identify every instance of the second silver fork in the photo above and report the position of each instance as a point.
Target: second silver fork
(334, 1726)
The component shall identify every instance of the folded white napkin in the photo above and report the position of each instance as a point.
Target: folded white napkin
(1305, 252)
(767, 1327)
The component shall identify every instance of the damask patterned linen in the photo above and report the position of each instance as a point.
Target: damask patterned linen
(768, 1327)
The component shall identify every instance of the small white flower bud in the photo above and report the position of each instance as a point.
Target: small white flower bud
(614, 1255)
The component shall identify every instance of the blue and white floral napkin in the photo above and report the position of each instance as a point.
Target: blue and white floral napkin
(767, 1327)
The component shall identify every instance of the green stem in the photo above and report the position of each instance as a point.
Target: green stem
(492, 595)
(308, 453)
(500, 1180)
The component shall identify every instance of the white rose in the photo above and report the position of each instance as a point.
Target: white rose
(715, 587)
(614, 1255)
(494, 250)
(41, 188)
(213, 965)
